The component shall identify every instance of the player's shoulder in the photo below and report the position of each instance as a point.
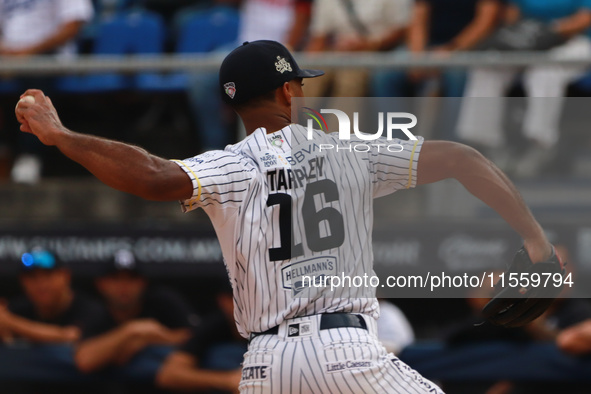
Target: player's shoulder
(220, 158)
(249, 148)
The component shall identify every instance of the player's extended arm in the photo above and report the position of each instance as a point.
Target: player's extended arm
(181, 372)
(122, 166)
(98, 352)
(38, 332)
(442, 160)
(119, 345)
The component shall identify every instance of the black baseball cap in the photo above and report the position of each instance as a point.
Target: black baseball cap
(122, 260)
(258, 67)
(40, 258)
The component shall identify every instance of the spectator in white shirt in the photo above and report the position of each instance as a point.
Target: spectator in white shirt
(39, 27)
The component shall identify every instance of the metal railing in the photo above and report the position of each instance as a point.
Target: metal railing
(50, 65)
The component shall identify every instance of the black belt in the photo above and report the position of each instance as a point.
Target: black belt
(327, 321)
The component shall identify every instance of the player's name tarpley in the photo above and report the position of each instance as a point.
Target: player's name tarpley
(296, 177)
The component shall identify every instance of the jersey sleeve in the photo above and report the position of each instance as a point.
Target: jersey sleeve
(395, 167)
(220, 178)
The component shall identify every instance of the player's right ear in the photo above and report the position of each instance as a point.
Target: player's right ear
(287, 93)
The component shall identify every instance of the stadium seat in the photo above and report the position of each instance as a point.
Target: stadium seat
(9, 86)
(207, 31)
(132, 32)
(197, 32)
(584, 83)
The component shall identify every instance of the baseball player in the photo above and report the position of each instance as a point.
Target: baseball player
(280, 210)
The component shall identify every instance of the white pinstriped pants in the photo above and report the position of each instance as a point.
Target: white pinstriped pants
(340, 360)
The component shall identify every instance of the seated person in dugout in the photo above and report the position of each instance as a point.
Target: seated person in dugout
(211, 359)
(49, 311)
(137, 315)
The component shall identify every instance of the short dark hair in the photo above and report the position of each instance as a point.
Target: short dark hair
(255, 101)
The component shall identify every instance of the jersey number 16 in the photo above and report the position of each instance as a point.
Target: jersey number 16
(312, 220)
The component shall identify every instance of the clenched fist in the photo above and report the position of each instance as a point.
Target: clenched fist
(39, 117)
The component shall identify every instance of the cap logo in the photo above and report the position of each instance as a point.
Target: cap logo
(124, 259)
(282, 65)
(230, 89)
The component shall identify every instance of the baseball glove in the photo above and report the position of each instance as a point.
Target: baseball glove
(525, 35)
(517, 305)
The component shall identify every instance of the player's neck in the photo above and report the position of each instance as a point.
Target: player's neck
(272, 122)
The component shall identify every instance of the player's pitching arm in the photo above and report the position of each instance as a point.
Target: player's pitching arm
(481, 177)
(122, 166)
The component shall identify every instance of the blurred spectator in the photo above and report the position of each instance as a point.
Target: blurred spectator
(353, 26)
(50, 311)
(138, 316)
(259, 20)
(266, 20)
(576, 339)
(566, 322)
(481, 121)
(212, 357)
(394, 329)
(35, 27)
(440, 27)
(168, 8)
(443, 27)
(285, 21)
(298, 33)
(567, 316)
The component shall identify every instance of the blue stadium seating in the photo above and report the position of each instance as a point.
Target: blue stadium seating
(132, 32)
(198, 32)
(209, 30)
(9, 86)
(584, 83)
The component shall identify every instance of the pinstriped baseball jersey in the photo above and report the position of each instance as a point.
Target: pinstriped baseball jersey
(284, 207)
